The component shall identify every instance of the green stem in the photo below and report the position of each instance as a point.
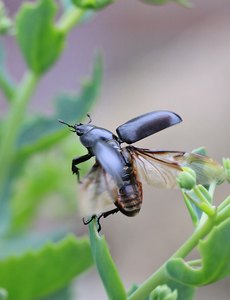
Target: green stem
(69, 19)
(224, 204)
(160, 275)
(191, 210)
(7, 87)
(223, 211)
(14, 121)
(203, 203)
(211, 189)
(195, 263)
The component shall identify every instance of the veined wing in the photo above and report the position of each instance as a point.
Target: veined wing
(207, 169)
(160, 168)
(97, 192)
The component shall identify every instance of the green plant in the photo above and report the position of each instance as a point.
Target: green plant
(42, 266)
(177, 278)
(29, 173)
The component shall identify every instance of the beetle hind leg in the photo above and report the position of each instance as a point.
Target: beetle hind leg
(108, 213)
(104, 215)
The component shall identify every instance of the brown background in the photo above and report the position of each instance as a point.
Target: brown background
(155, 58)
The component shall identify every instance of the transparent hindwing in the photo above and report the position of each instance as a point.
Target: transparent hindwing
(161, 168)
(98, 191)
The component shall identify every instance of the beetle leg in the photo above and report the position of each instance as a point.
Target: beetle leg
(91, 219)
(77, 161)
(108, 213)
(104, 215)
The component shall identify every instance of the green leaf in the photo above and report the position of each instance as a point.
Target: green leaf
(63, 294)
(41, 42)
(215, 253)
(38, 274)
(41, 180)
(19, 244)
(5, 22)
(6, 83)
(105, 265)
(43, 132)
(92, 4)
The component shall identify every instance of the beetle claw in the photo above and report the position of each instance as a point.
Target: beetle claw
(86, 222)
(98, 218)
(75, 170)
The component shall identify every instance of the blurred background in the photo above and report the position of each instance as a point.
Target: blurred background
(155, 57)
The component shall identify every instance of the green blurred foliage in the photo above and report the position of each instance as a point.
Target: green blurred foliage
(92, 4)
(35, 159)
(105, 265)
(215, 254)
(185, 3)
(41, 42)
(6, 83)
(41, 272)
(41, 265)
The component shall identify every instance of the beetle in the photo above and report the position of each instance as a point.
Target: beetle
(117, 175)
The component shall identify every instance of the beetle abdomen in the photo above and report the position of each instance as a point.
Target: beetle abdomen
(130, 198)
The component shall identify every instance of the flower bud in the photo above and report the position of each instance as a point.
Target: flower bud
(186, 179)
(163, 292)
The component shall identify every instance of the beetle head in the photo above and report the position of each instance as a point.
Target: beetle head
(79, 128)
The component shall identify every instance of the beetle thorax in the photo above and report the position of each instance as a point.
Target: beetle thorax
(91, 135)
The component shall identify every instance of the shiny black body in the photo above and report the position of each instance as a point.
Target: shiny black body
(116, 161)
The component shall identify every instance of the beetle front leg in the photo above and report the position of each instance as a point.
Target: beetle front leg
(77, 161)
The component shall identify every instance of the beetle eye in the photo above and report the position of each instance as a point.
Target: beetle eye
(79, 132)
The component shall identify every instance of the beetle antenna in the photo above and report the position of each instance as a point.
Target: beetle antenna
(90, 120)
(71, 126)
(61, 121)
